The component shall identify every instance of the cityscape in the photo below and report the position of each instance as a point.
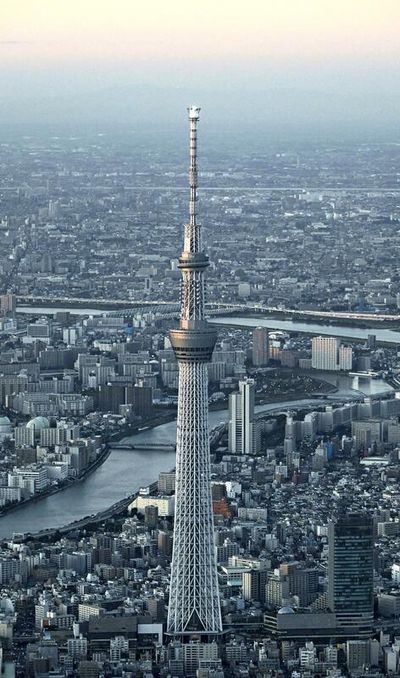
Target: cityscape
(199, 341)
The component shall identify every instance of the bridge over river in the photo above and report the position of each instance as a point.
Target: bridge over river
(168, 447)
(168, 309)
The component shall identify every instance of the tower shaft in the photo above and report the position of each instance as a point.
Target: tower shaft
(194, 606)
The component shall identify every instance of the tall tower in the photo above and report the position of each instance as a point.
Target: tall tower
(194, 606)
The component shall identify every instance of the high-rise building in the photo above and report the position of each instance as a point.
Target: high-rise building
(357, 654)
(254, 582)
(366, 432)
(151, 516)
(164, 542)
(8, 304)
(243, 432)
(328, 354)
(141, 398)
(166, 482)
(303, 581)
(350, 573)
(277, 590)
(289, 443)
(260, 346)
(345, 358)
(324, 351)
(194, 605)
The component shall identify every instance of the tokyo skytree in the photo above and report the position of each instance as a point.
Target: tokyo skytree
(194, 606)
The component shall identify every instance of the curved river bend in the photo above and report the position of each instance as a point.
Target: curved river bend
(125, 471)
(121, 474)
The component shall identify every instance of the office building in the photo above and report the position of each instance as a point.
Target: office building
(151, 516)
(166, 482)
(303, 581)
(366, 433)
(244, 434)
(350, 573)
(254, 582)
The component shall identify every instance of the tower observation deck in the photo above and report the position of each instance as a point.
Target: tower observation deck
(194, 605)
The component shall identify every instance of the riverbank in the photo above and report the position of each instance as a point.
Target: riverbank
(26, 306)
(374, 321)
(120, 506)
(161, 419)
(113, 511)
(91, 468)
(123, 472)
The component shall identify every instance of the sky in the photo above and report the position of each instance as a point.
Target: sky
(54, 53)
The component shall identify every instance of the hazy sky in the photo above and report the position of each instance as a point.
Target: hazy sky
(52, 48)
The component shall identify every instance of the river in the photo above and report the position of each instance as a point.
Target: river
(121, 474)
(383, 336)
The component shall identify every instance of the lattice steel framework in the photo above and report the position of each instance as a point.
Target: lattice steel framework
(194, 606)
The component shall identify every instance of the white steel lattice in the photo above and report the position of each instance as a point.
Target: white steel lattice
(194, 605)
(194, 598)
(192, 295)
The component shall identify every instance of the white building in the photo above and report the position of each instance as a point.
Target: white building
(308, 656)
(32, 479)
(396, 573)
(196, 653)
(391, 659)
(57, 470)
(244, 434)
(8, 494)
(328, 354)
(165, 505)
(62, 434)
